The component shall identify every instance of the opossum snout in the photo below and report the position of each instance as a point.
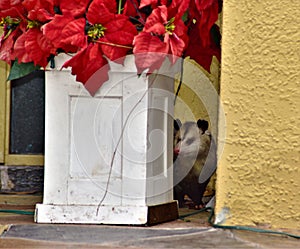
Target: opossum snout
(176, 151)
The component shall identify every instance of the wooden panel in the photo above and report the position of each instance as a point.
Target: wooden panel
(95, 127)
(26, 200)
(3, 74)
(87, 214)
(30, 160)
(134, 139)
(159, 154)
(162, 213)
(57, 136)
(91, 191)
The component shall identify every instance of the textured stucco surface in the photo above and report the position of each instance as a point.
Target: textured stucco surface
(258, 174)
(198, 95)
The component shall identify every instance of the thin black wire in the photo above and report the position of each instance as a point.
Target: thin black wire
(180, 82)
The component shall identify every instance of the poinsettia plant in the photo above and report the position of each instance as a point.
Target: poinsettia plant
(95, 31)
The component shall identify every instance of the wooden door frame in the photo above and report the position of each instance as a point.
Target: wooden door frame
(3, 77)
(5, 102)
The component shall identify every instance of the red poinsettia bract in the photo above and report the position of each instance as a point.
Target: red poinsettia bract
(11, 8)
(104, 35)
(7, 45)
(32, 45)
(75, 7)
(11, 16)
(163, 34)
(153, 3)
(96, 31)
(201, 53)
(205, 13)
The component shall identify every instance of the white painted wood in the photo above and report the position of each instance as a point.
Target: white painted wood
(81, 214)
(129, 115)
(57, 137)
(160, 141)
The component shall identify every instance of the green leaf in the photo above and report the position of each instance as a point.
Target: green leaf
(20, 70)
(185, 16)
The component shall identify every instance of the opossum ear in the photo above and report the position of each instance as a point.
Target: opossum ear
(177, 124)
(202, 124)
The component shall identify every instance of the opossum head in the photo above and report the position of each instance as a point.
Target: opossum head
(194, 152)
(191, 140)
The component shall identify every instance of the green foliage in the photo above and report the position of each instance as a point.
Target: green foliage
(20, 70)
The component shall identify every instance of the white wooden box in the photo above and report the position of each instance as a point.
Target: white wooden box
(129, 115)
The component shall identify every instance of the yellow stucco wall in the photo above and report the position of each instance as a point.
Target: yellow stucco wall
(258, 175)
(198, 98)
(198, 95)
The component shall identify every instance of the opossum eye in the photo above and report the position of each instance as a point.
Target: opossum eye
(190, 141)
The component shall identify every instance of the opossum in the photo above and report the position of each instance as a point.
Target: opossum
(194, 161)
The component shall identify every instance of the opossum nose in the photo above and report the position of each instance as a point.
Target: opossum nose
(176, 151)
